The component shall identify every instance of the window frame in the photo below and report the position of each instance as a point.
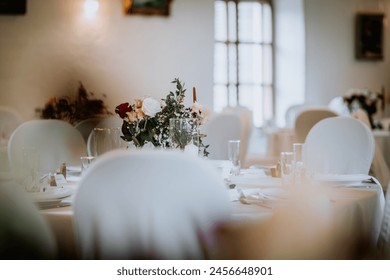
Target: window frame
(263, 44)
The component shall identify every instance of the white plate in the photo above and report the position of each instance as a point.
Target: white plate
(341, 178)
(46, 204)
(267, 193)
(51, 194)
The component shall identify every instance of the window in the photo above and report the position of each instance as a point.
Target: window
(243, 57)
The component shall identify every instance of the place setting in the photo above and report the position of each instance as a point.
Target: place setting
(253, 186)
(48, 190)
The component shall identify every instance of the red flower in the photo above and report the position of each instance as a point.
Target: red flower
(122, 109)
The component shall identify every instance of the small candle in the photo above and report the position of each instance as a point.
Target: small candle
(194, 94)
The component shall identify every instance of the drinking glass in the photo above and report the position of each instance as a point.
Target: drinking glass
(106, 139)
(234, 156)
(30, 169)
(286, 167)
(86, 162)
(299, 163)
(298, 150)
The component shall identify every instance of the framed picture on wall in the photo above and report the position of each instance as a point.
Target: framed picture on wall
(369, 36)
(12, 7)
(147, 7)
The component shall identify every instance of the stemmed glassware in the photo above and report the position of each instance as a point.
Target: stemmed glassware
(298, 161)
(30, 169)
(234, 156)
(293, 166)
(287, 168)
(106, 139)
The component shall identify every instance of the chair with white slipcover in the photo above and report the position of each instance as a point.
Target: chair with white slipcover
(56, 142)
(219, 129)
(292, 113)
(246, 121)
(379, 167)
(86, 126)
(338, 105)
(307, 118)
(10, 119)
(24, 233)
(339, 145)
(148, 204)
(383, 244)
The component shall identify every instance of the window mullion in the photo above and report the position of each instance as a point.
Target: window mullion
(237, 58)
(227, 52)
(248, 82)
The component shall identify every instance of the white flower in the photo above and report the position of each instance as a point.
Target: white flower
(151, 106)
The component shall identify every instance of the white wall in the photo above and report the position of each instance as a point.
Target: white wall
(47, 51)
(289, 55)
(331, 67)
(54, 46)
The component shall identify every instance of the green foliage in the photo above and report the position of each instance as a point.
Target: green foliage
(74, 109)
(141, 129)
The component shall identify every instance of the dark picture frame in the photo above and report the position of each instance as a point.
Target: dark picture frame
(369, 36)
(147, 7)
(13, 7)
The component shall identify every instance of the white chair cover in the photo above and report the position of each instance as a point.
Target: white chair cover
(219, 129)
(338, 105)
(307, 118)
(339, 145)
(292, 113)
(148, 204)
(10, 119)
(246, 121)
(383, 245)
(379, 167)
(56, 142)
(24, 233)
(86, 126)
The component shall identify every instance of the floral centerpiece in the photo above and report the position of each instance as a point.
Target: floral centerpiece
(147, 121)
(366, 100)
(74, 109)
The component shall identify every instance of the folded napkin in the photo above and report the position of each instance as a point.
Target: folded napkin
(270, 197)
(255, 181)
(267, 193)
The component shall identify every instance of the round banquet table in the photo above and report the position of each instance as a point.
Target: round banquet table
(356, 211)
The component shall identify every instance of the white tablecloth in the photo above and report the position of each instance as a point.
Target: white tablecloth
(355, 211)
(382, 139)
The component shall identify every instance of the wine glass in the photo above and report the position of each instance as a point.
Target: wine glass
(234, 156)
(105, 139)
(30, 168)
